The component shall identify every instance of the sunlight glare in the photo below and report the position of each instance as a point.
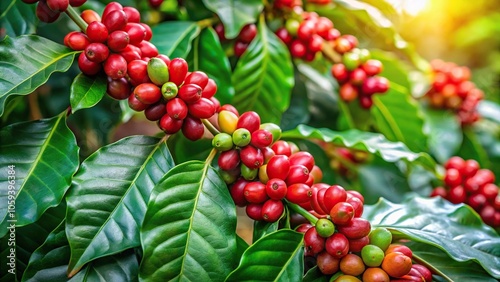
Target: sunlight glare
(414, 7)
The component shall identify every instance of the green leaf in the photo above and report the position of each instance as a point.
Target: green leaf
(50, 261)
(13, 10)
(262, 228)
(173, 38)
(472, 148)
(399, 118)
(279, 256)
(108, 199)
(456, 271)
(455, 229)
(263, 77)
(26, 243)
(394, 68)
(188, 232)
(119, 267)
(44, 156)
(315, 275)
(183, 149)
(491, 144)
(489, 110)
(208, 56)
(27, 62)
(374, 143)
(86, 91)
(235, 14)
(445, 133)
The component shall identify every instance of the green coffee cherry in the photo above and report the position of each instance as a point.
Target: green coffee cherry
(242, 137)
(248, 173)
(169, 90)
(222, 142)
(158, 71)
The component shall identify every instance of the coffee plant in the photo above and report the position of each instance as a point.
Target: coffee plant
(136, 136)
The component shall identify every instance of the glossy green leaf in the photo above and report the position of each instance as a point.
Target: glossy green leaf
(382, 179)
(25, 241)
(86, 91)
(445, 133)
(394, 68)
(208, 56)
(454, 270)
(455, 229)
(262, 228)
(279, 256)
(108, 199)
(489, 110)
(173, 38)
(10, 13)
(188, 233)
(44, 156)
(364, 141)
(50, 261)
(399, 118)
(472, 148)
(26, 62)
(119, 267)
(263, 77)
(183, 149)
(235, 14)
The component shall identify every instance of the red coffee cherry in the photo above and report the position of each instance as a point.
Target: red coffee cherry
(357, 205)
(306, 30)
(118, 40)
(358, 227)
(315, 43)
(477, 201)
(302, 158)
(203, 108)
(297, 48)
(337, 245)
(236, 190)
(372, 67)
(457, 195)
(251, 157)
(248, 33)
(455, 162)
(357, 76)
(210, 89)
(239, 48)
(58, 5)
(249, 120)
(190, 93)
(284, 35)
(131, 53)
(170, 125)
(333, 195)
(314, 243)
(88, 67)
(254, 211)
(137, 71)
(261, 138)
(44, 13)
(136, 33)
(97, 52)
(147, 93)
(76, 40)
(229, 160)
(342, 213)
(339, 72)
(149, 32)
(177, 108)
(278, 167)
(148, 49)
(297, 174)
(135, 104)
(281, 147)
(133, 15)
(155, 111)
(452, 177)
(255, 192)
(115, 66)
(276, 189)
(118, 88)
(193, 128)
(272, 210)
(178, 69)
(115, 20)
(97, 32)
(298, 193)
(197, 77)
(90, 16)
(155, 3)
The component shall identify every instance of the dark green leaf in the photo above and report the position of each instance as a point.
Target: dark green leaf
(50, 261)
(26, 243)
(472, 149)
(400, 118)
(456, 271)
(491, 144)
(235, 14)
(183, 149)
(208, 56)
(196, 10)
(188, 233)
(279, 256)
(445, 133)
(263, 77)
(173, 38)
(489, 110)
(382, 179)
(86, 91)
(27, 62)
(45, 157)
(11, 13)
(455, 229)
(119, 267)
(108, 199)
(364, 141)
(262, 228)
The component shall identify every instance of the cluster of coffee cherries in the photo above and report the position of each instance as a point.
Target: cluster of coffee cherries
(244, 38)
(48, 11)
(342, 159)
(466, 182)
(452, 89)
(358, 77)
(340, 240)
(287, 4)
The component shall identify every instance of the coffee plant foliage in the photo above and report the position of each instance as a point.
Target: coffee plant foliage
(94, 201)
